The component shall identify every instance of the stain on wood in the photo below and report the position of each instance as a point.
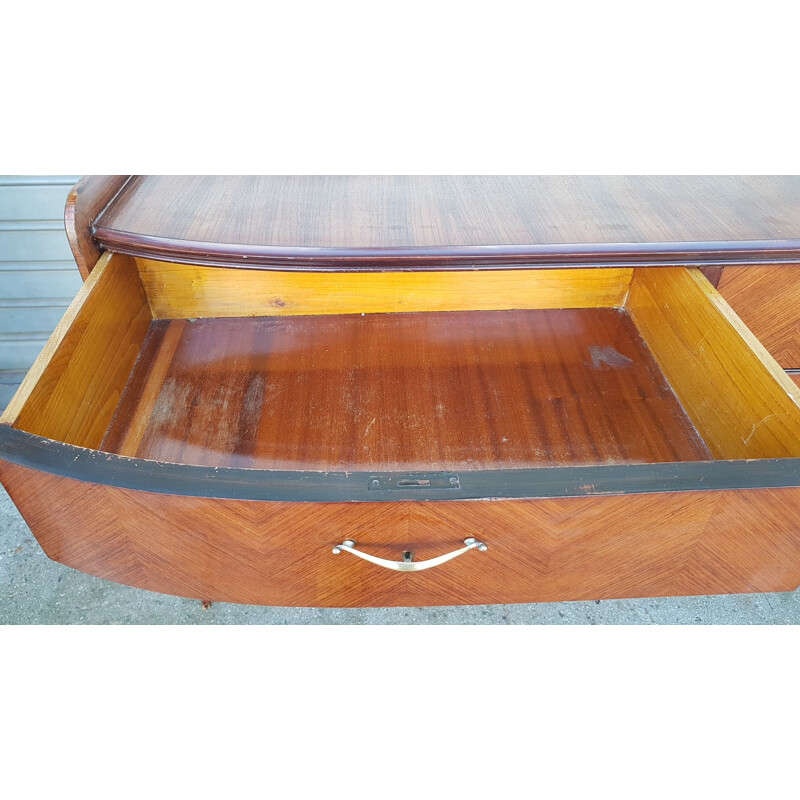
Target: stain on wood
(426, 391)
(607, 356)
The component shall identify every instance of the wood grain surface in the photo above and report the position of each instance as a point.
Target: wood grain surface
(741, 401)
(586, 548)
(436, 222)
(188, 291)
(427, 391)
(768, 301)
(86, 200)
(488, 389)
(71, 392)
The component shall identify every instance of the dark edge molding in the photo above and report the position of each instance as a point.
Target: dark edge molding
(545, 256)
(92, 466)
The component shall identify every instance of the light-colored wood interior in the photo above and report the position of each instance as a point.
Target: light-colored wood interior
(180, 291)
(73, 388)
(741, 401)
(735, 394)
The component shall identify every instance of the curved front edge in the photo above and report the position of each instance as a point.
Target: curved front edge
(93, 466)
(279, 552)
(87, 198)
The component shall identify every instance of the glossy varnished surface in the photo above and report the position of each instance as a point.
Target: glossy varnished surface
(420, 391)
(274, 553)
(73, 389)
(734, 391)
(352, 222)
(88, 197)
(768, 301)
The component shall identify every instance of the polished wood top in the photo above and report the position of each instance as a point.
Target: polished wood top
(442, 222)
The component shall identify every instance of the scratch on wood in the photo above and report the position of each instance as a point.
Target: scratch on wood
(758, 424)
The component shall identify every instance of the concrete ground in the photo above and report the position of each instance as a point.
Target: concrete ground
(35, 590)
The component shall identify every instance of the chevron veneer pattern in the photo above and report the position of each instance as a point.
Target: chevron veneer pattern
(539, 550)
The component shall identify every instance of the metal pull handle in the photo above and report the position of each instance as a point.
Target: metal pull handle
(408, 564)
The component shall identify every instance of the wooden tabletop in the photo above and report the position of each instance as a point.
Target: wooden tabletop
(455, 222)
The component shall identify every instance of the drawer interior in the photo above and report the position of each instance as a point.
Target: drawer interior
(407, 371)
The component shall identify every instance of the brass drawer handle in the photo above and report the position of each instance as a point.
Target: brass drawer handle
(408, 564)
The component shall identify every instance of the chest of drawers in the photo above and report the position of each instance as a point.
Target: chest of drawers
(382, 391)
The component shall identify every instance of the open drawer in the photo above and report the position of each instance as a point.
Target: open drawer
(217, 432)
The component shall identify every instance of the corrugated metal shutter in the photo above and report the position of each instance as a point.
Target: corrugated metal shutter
(38, 276)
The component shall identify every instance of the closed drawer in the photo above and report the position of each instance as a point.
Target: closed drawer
(215, 432)
(768, 301)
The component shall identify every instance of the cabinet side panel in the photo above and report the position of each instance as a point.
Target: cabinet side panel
(73, 388)
(768, 301)
(90, 195)
(539, 550)
(740, 400)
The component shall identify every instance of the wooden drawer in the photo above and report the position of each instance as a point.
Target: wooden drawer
(214, 432)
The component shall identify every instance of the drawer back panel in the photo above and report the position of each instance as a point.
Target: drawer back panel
(181, 291)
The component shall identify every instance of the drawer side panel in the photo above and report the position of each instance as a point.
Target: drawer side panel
(72, 390)
(743, 404)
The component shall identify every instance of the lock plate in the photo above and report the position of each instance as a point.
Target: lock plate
(414, 480)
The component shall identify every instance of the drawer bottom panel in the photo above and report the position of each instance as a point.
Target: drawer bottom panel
(279, 553)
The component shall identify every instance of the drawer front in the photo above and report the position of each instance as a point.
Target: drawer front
(538, 550)
(768, 301)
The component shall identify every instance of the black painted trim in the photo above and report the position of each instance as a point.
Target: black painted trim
(93, 466)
